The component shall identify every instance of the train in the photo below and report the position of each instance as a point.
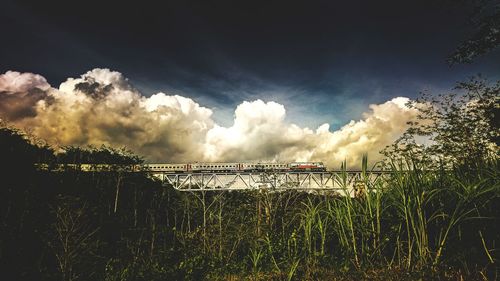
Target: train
(236, 167)
(196, 167)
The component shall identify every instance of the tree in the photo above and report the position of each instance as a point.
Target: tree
(73, 239)
(98, 155)
(459, 128)
(486, 21)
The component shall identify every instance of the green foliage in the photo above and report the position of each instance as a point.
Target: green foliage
(452, 130)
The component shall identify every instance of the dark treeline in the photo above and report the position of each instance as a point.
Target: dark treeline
(77, 225)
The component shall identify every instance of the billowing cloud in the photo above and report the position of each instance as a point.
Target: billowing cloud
(19, 93)
(13, 81)
(260, 132)
(381, 126)
(102, 107)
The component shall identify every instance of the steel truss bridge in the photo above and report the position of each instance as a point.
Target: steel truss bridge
(340, 181)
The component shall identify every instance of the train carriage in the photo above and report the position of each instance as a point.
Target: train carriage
(168, 168)
(255, 167)
(214, 167)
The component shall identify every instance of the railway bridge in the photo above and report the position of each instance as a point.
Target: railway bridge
(303, 180)
(226, 180)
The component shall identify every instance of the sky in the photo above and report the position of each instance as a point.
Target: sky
(324, 62)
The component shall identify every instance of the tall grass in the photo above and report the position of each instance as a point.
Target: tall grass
(409, 220)
(430, 208)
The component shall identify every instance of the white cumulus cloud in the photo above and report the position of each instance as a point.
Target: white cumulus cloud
(102, 107)
(13, 81)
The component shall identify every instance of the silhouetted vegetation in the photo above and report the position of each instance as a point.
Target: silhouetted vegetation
(485, 20)
(73, 225)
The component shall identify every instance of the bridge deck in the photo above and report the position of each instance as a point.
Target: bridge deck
(331, 180)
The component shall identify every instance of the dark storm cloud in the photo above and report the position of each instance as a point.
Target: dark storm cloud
(19, 94)
(15, 106)
(282, 40)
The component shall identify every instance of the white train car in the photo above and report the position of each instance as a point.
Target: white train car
(249, 167)
(168, 168)
(214, 167)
